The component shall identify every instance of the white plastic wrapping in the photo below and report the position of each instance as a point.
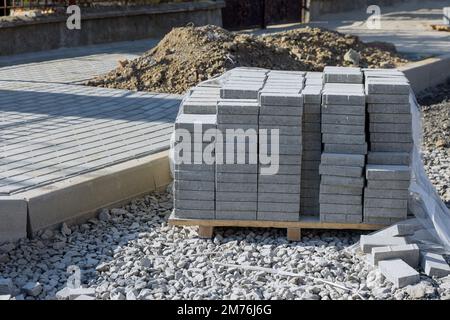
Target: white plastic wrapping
(425, 203)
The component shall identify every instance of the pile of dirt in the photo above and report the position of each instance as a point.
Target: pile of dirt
(189, 55)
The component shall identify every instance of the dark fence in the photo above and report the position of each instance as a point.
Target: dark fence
(240, 14)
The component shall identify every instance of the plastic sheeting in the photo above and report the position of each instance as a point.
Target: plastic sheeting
(425, 203)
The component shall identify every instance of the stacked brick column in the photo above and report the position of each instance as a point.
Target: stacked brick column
(390, 135)
(281, 109)
(344, 145)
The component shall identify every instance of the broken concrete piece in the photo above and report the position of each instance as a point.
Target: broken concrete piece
(434, 265)
(32, 288)
(399, 272)
(408, 253)
(6, 286)
(5, 297)
(367, 242)
(71, 293)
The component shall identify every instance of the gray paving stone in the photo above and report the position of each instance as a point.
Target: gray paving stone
(194, 185)
(385, 203)
(388, 98)
(278, 216)
(288, 169)
(391, 137)
(368, 242)
(344, 190)
(237, 107)
(278, 207)
(343, 138)
(344, 110)
(342, 181)
(194, 175)
(385, 212)
(347, 209)
(278, 198)
(387, 86)
(388, 172)
(391, 146)
(390, 127)
(236, 215)
(390, 118)
(342, 129)
(326, 198)
(279, 120)
(194, 195)
(343, 119)
(399, 272)
(279, 178)
(388, 158)
(388, 184)
(236, 187)
(345, 148)
(230, 92)
(281, 111)
(434, 265)
(237, 196)
(278, 188)
(311, 108)
(276, 99)
(236, 177)
(341, 171)
(194, 204)
(236, 205)
(282, 130)
(409, 253)
(386, 193)
(342, 159)
(237, 119)
(237, 168)
(381, 221)
(194, 214)
(199, 108)
(282, 140)
(389, 108)
(338, 218)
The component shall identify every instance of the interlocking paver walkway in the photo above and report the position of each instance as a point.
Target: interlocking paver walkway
(52, 128)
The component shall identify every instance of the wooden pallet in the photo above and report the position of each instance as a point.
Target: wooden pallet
(440, 27)
(206, 227)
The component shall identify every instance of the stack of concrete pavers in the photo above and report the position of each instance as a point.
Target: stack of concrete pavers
(237, 159)
(344, 145)
(194, 194)
(281, 109)
(312, 144)
(398, 258)
(202, 99)
(390, 137)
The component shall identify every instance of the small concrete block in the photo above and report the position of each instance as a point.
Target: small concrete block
(193, 195)
(399, 272)
(236, 92)
(194, 167)
(385, 212)
(389, 108)
(278, 188)
(235, 215)
(339, 199)
(345, 98)
(386, 85)
(278, 207)
(237, 168)
(32, 288)
(391, 137)
(342, 159)
(387, 172)
(326, 208)
(278, 216)
(236, 187)
(281, 111)
(344, 190)
(194, 185)
(340, 218)
(342, 129)
(434, 265)
(388, 184)
(194, 175)
(344, 110)
(391, 147)
(342, 181)
(368, 242)
(390, 127)
(235, 107)
(282, 130)
(237, 119)
(344, 138)
(388, 158)
(194, 204)
(236, 177)
(388, 98)
(346, 148)
(281, 99)
(235, 205)
(409, 253)
(279, 178)
(191, 107)
(279, 120)
(343, 119)
(385, 203)
(389, 118)
(237, 196)
(278, 198)
(288, 169)
(282, 140)
(386, 194)
(194, 214)
(341, 171)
